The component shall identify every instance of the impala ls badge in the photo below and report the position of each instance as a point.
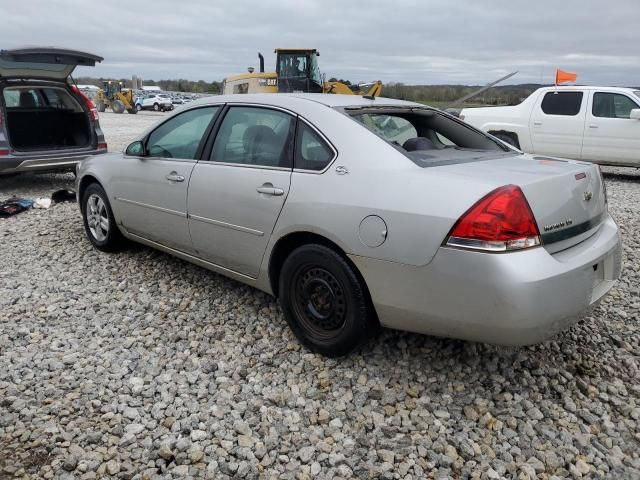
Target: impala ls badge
(555, 226)
(588, 196)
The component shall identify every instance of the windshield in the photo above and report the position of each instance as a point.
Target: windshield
(428, 137)
(293, 65)
(431, 129)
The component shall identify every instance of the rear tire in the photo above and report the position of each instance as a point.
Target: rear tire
(324, 301)
(99, 222)
(132, 111)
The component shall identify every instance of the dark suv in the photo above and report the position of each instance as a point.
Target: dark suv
(45, 122)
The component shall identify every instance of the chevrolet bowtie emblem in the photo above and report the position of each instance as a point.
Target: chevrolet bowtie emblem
(588, 196)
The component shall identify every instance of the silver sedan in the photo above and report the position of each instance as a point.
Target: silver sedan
(359, 213)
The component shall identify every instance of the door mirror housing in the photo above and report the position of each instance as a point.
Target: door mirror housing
(635, 114)
(136, 149)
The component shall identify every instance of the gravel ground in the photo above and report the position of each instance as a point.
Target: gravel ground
(139, 365)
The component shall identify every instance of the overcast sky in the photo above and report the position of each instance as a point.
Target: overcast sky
(426, 42)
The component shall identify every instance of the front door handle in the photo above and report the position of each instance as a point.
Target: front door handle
(174, 177)
(537, 123)
(269, 189)
(593, 126)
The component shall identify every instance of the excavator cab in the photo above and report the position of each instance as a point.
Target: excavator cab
(111, 88)
(297, 70)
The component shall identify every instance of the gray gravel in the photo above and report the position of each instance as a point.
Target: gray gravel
(139, 365)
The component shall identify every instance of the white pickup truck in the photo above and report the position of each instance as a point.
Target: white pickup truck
(595, 124)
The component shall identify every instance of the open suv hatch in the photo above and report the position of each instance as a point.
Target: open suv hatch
(46, 123)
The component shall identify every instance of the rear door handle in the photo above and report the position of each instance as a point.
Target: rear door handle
(593, 126)
(537, 124)
(174, 177)
(269, 189)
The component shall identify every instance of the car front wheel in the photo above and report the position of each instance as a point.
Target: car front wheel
(156, 107)
(324, 301)
(99, 222)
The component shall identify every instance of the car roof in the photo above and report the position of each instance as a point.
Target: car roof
(291, 99)
(559, 88)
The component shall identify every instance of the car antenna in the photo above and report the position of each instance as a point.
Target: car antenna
(477, 92)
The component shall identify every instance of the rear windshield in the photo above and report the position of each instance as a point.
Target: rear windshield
(428, 137)
(49, 98)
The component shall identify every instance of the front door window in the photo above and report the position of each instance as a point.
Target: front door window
(180, 136)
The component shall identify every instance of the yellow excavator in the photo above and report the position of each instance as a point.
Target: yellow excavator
(113, 96)
(296, 71)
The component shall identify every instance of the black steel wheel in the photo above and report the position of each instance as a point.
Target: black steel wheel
(320, 303)
(324, 301)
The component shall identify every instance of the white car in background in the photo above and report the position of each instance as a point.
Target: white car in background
(158, 102)
(594, 124)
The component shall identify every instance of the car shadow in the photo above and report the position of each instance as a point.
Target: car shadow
(39, 183)
(623, 176)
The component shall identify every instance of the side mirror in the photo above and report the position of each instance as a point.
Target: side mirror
(635, 114)
(135, 149)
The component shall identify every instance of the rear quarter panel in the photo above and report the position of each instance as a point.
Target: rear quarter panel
(418, 205)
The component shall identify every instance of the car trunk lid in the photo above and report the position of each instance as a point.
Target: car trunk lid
(567, 198)
(43, 62)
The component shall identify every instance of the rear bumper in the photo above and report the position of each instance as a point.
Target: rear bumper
(17, 164)
(516, 298)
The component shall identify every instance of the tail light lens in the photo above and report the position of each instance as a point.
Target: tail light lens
(501, 221)
(93, 111)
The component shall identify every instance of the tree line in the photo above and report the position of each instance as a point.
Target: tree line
(435, 94)
(180, 85)
(442, 94)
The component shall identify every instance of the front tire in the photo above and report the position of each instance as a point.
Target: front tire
(156, 107)
(117, 106)
(99, 222)
(138, 107)
(324, 301)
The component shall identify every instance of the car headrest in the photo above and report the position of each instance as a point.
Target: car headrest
(27, 100)
(418, 143)
(258, 136)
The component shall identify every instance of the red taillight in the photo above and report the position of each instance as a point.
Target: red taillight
(4, 152)
(93, 111)
(102, 146)
(499, 222)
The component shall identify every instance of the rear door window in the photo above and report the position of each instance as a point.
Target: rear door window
(612, 105)
(562, 103)
(255, 136)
